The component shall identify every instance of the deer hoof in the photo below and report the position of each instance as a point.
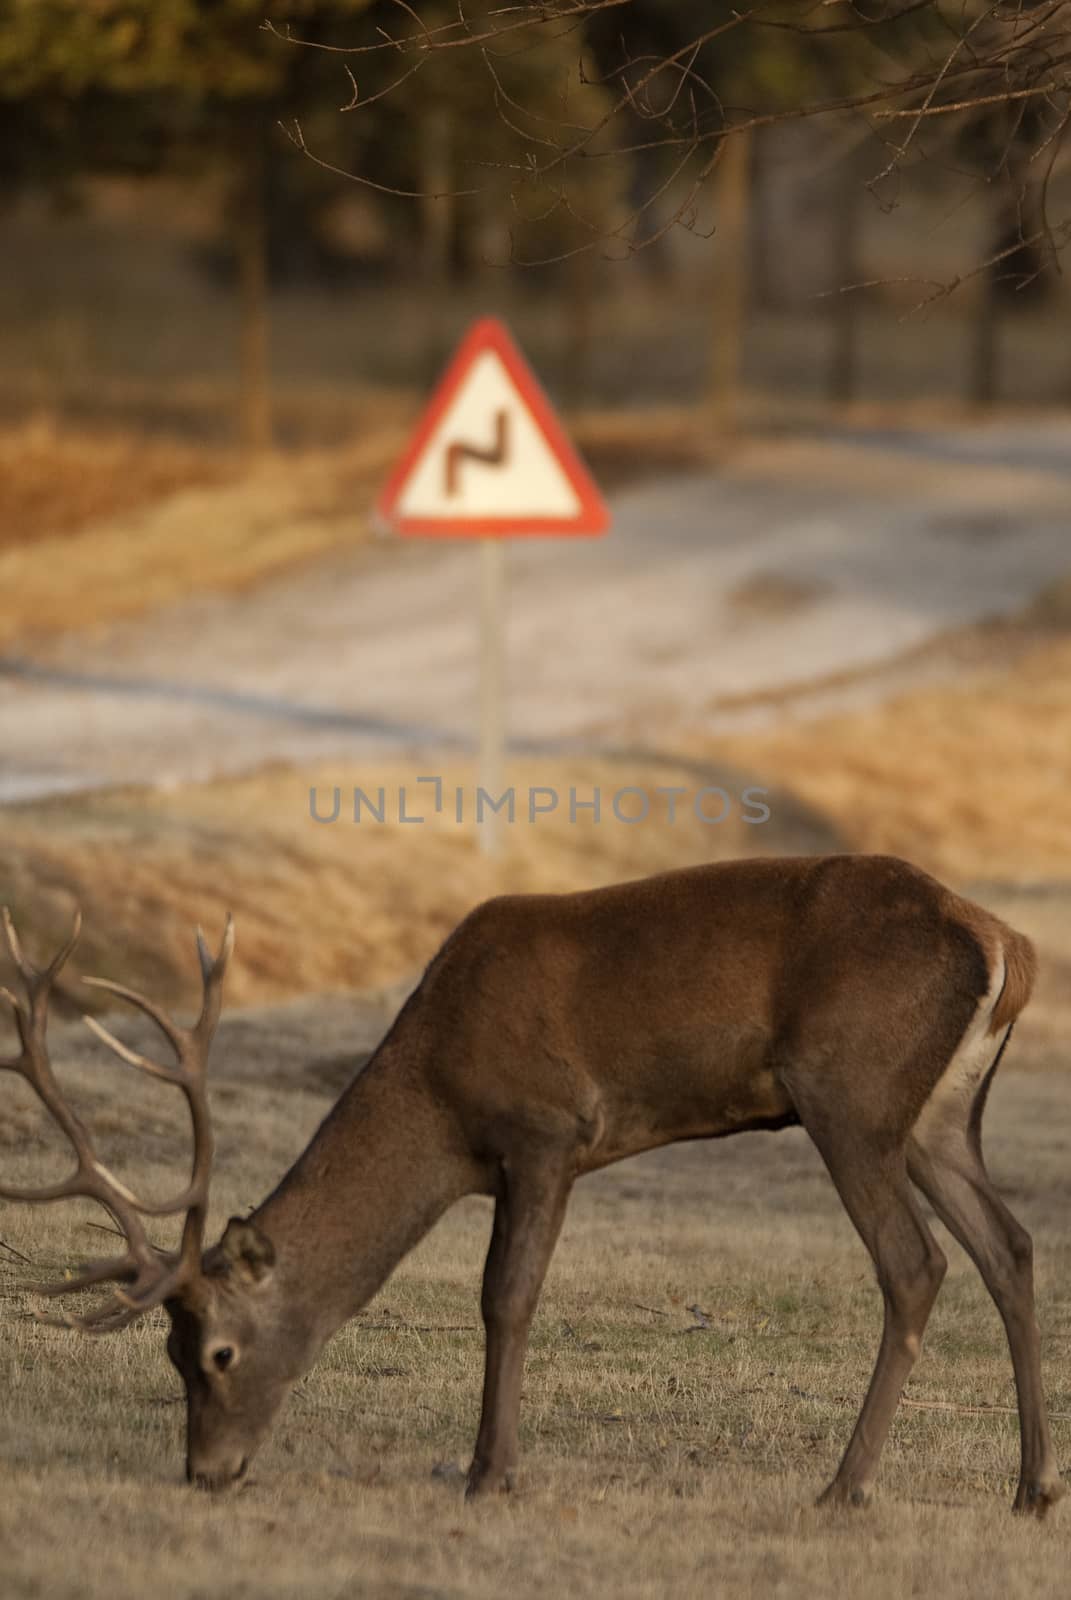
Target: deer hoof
(844, 1496)
(484, 1481)
(1034, 1496)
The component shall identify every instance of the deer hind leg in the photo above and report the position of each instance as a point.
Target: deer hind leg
(872, 1182)
(945, 1161)
(528, 1219)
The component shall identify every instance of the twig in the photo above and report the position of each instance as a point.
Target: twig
(421, 1327)
(976, 1411)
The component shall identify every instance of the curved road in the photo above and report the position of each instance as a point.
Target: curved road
(799, 559)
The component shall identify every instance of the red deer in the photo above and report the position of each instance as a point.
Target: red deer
(552, 1035)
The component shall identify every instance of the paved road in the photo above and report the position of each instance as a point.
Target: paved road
(1044, 444)
(794, 562)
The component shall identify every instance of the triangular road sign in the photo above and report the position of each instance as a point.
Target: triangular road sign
(489, 456)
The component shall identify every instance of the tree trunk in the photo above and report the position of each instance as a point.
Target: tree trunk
(578, 325)
(732, 205)
(762, 230)
(250, 217)
(846, 303)
(437, 207)
(984, 360)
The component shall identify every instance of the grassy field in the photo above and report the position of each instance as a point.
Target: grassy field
(706, 1334)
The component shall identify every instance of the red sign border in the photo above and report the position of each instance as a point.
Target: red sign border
(593, 517)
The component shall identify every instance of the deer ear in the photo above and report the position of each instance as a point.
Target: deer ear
(246, 1250)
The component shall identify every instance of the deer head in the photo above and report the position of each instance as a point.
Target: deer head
(232, 1350)
(227, 1334)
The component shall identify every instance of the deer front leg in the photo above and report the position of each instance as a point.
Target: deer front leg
(528, 1219)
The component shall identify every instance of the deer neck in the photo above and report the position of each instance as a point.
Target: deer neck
(381, 1170)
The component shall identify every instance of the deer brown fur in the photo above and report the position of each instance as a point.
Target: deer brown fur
(553, 1035)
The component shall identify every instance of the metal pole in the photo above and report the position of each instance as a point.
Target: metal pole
(492, 686)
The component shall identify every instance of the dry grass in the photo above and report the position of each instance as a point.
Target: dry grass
(56, 482)
(323, 906)
(99, 526)
(344, 905)
(970, 779)
(217, 529)
(659, 1457)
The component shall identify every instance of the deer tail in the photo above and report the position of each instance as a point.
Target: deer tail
(1020, 971)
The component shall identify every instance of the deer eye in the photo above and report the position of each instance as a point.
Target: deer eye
(222, 1358)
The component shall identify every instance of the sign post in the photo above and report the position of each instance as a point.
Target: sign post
(489, 460)
(492, 683)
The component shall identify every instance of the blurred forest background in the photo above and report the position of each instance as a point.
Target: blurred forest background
(183, 252)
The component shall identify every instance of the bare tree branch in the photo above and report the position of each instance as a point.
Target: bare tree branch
(977, 75)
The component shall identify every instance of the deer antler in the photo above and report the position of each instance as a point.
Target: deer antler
(150, 1275)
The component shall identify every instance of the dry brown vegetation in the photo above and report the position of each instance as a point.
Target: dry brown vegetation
(322, 906)
(55, 482)
(105, 546)
(970, 779)
(706, 1333)
(99, 526)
